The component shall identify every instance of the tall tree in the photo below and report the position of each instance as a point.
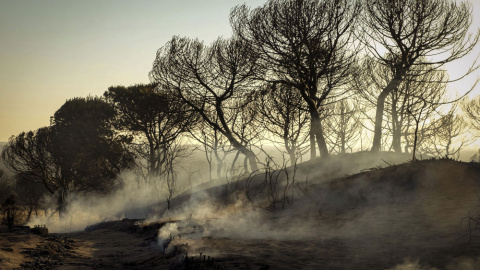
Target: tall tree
(79, 152)
(305, 44)
(419, 90)
(450, 135)
(281, 113)
(471, 108)
(154, 119)
(403, 34)
(215, 81)
(214, 144)
(344, 125)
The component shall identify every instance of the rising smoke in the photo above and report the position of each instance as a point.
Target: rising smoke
(403, 210)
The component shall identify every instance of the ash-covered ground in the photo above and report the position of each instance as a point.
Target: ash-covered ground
(415, 215)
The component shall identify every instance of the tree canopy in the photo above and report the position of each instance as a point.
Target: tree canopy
(78, 152)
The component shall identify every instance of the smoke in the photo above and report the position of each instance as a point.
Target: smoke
(409, 210)
(404, 210)
(462, 263)
(82, 210)
(142, 201)
(166, 234)
(411, 265)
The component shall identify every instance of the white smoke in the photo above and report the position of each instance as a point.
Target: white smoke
(461, 263)
(87, 209)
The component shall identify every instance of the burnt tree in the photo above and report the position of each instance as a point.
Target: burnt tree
(307, 45)
(402, 34)
(215, 81)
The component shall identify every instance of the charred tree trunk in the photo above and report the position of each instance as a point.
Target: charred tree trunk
(218, 159)
(317, 129)
(290, 150)
(232, 168)
(229, 135)
(208, 155)
(30, 210)
(396, 129)
(246, 152)
(219, 164)
(415, 142)
(245, 165)
(309, 95)
(293, 158)
(62, 204)
(377, 137)
(313, 147)
(9, 206)
(252, 160)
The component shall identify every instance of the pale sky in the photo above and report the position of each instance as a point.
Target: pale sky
(54, 50)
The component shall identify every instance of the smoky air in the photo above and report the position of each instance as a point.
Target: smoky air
(319, 135)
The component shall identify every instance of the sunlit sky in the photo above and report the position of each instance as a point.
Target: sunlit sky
(54, 50)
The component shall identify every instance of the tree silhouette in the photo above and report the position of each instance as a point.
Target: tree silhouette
(215, 81)
(472, 111)
(79, 152)
(281, 113)
(154, 119)
(6, 186)
(419, 90)
(30, 195)
(307, 45)
(343, 125)
(403, 34)
(449, 138)
(214, 144)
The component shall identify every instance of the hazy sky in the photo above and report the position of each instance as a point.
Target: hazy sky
(54, 50)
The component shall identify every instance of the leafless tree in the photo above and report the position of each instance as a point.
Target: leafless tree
(7, 199)
(276, 183)
(471, 108)
(419, 90)
(281, 113)
(307, 45)
(403, 34)
(214, 144)
(174, 153)
(450, 135)
(416, 110)
(215, 81)
(343, 125)
(476, 157)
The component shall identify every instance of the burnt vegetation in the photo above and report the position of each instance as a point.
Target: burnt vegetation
(304, 76)
(284, 113)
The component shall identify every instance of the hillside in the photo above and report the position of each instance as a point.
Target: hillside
(307, 173)
(413, 214)
(420, 215)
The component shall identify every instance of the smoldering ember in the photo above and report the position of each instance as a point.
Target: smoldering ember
(321, 135)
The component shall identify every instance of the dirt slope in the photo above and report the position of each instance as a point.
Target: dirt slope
(408, 216)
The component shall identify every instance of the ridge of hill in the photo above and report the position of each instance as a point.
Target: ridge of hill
(413, 215)
(336, 215)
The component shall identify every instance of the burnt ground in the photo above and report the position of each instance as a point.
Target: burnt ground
(111, 248)
(412, 216)
(115, 247)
